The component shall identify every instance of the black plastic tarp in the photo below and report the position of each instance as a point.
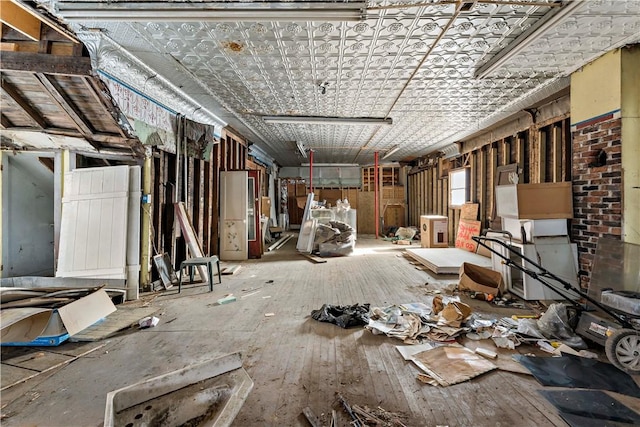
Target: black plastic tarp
(345, 316)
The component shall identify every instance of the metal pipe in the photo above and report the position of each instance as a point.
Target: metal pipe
(376, 196)
(310, 171)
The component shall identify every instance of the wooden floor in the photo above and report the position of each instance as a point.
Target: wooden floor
(293, 360)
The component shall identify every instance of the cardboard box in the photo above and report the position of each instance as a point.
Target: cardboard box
(480, 279)
(548, 200)
(434, 231)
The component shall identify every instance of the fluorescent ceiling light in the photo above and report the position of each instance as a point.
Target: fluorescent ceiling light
(548, 21)
(301, 149)
(319, 120)
(183, 11)
(391, 151)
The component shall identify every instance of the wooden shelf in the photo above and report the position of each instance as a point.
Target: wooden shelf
(389, 176)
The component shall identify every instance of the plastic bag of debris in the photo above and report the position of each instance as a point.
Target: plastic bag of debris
(554, 324)
(406, 233)
(345, 316)
(330, 249)
(342, 226)
(325, 233)
(341, 243)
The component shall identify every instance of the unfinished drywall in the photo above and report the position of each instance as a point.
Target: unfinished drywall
(27, 220)
(596, 88)
(631, 146)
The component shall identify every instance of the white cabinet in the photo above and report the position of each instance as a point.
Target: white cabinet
(556, 254)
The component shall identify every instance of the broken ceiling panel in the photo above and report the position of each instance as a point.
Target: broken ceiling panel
(51, 98)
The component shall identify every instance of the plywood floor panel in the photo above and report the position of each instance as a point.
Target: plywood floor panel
(293, 360)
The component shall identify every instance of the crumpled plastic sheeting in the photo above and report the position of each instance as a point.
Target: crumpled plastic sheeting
(406, 233)
(345, 316)
(554, 324)
(505, 338)
(324, 233)
(341, 243)
(530, 328)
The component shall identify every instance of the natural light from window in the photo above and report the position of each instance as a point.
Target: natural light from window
(458, 187)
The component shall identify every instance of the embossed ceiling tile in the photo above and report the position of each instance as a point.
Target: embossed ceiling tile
(191, 61)
(630, 24)
(393, 27)
(224, 29)
(430, 27)
(175, 45)
(206, 47)
(385, 48)
(359, 29)
(325, 46)
(291, 30)
(192, 30)
(278, 66)
(157, 29)
(463, 26)
(605, 6)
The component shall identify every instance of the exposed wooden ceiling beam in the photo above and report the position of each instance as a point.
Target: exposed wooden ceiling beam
(5, 122)
(9, 47)
(19, 19)
(52, 87)
(43, 19)
(13, 93)
(48, 163)
(95, 93)
(103, 138)
(44, 63)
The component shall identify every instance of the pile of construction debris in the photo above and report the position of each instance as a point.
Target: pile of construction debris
(48, 316)
(358, 415)
(435, 332)
(334, 239)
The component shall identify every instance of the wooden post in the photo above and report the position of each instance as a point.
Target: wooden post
(145, 231)
(556, 135)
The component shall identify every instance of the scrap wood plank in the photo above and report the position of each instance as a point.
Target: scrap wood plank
(311, 417)
(121, 319)
(190, 236)
(313, 258)
(232, 269)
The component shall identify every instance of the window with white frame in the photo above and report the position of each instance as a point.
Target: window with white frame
(458, 187)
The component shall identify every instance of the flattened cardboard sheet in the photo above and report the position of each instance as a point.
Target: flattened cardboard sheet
(453, 364)
(86, 311)
(469, 211)
(466, 230)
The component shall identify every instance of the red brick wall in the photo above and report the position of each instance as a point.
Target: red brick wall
(597, 189)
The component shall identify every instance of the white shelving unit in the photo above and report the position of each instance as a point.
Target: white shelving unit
(536, 216)
(555, 254)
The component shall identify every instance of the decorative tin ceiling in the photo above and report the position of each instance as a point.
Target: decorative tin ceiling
(417, 64)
